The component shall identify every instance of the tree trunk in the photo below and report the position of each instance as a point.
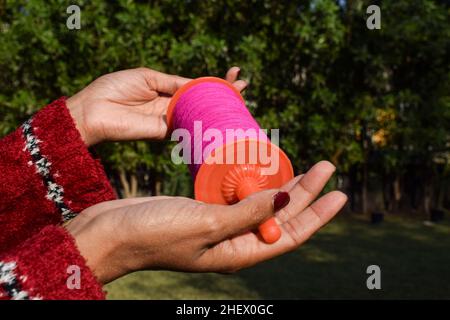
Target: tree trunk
(386, 191)
(158, 186)
(353, 188)
(427, 195)
(364, 189)
(134, 186)
(365, 174)
(427, 200)
(152, 182)
(397, 192)
(130, 187)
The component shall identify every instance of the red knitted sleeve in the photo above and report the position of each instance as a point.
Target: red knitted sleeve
(47, 176)
(47, 266)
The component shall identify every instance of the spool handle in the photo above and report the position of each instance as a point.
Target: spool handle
(269, 230)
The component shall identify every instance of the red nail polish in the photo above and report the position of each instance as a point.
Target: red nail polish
(280, 200)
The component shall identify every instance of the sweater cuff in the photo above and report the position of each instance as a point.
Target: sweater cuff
(47, 266)
(74, 179)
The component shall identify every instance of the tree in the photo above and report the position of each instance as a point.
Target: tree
(375, 102)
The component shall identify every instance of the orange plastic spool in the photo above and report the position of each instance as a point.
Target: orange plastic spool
(231, 181)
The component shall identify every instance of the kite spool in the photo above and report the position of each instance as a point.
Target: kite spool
(227, 170)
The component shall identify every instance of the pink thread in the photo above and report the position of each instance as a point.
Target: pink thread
(217, 107)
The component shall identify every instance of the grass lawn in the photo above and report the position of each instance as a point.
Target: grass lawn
(414, 261)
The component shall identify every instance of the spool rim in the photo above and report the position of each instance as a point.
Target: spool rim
(189, 85)
(206, 188)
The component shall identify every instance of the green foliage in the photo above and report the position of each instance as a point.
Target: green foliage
(335, 89)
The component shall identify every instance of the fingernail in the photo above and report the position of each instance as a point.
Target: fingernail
(280, 200)
(239, 72)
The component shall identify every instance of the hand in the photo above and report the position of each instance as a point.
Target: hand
(122, 236)
(129, 104)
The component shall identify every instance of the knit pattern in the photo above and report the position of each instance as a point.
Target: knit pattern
(10, 283)
(38, 269)
(55, 192)
(47, 176)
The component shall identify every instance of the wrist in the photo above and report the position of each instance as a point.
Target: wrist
(97, 244)
(75, 107)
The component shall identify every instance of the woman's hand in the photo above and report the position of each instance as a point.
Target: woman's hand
(122, 236)
(129, 104)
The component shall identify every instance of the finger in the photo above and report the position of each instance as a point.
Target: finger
(247, 214)
(162, 82)
(232, 74)
(155, 107)
(240, 85)
(248, 249)
(307, 189)
(139, 126)
(288, 186)
(232, 77)
(301, 227)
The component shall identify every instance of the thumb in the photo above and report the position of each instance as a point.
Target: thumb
(163, 82)
(249, 213)
(138, 126)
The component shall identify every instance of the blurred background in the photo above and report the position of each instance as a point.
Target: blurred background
(374, 102)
